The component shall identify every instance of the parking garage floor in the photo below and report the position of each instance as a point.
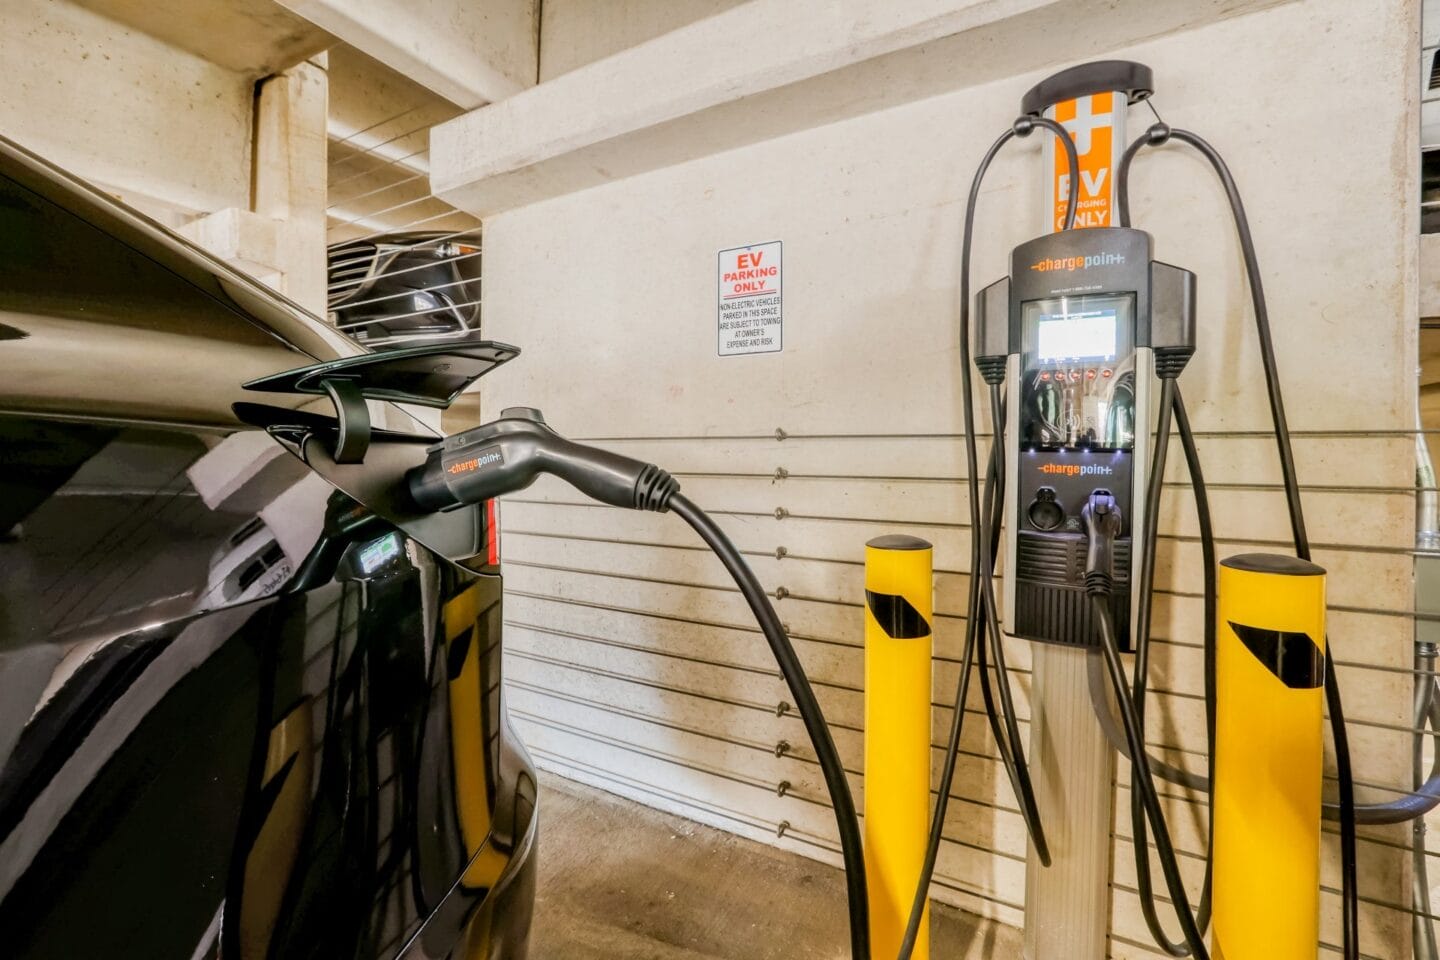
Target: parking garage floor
(621, 880)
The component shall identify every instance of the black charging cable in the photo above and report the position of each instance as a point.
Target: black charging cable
(1411, 807)
(981, 585)
(1143, 612)
(1427, 704)
(1140, 840)
(510, 453)
(1145, 799)
(1005, 725)
(1206, 524)
(805, 704)
(1157, 135)
(1168, 367)
(1004, 720)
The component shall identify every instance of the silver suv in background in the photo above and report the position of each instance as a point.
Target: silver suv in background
(401, 289)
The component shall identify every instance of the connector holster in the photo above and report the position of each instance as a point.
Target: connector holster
(992, 331)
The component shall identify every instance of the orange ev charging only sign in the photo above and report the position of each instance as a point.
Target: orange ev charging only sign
(1098, 130)
(750, 292)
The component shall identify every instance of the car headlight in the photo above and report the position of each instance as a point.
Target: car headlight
(450, 250)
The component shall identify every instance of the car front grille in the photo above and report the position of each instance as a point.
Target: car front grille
(350, 264)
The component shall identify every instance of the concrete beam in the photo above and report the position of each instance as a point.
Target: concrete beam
(376, 111)
(471, 52)
(379, 128)
(571, 35)
(765, 69)
(253, 37)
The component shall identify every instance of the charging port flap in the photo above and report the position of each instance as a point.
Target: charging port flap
(432, 375)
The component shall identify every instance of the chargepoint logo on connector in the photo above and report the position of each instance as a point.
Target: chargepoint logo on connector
(483, 459)
(1078, 469)
(1071, 264)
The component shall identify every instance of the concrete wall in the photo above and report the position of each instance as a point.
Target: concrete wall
(379, 150)
(205, 115)
(233, 161)
(632, 662)
(167, 131)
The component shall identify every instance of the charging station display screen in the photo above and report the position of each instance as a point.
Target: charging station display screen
(1077, 372)
(1086, 335)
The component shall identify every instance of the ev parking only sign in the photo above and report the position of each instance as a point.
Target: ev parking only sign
(749, 288)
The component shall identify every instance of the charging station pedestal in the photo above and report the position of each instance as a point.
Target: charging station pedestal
(1067, 905)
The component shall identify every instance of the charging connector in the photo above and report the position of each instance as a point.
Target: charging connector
(1102, 521)
(512, 452)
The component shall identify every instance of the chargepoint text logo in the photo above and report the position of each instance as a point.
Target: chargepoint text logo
(1078, 469)
(1071, 264)
(474, 463)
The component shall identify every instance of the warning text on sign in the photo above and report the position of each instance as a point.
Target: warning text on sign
(750, 300)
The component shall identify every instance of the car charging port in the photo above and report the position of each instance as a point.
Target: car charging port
(1046, 512)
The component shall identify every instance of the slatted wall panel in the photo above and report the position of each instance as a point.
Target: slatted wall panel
(612, 612)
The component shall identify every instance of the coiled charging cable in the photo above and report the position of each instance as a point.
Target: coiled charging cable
(1347, 812)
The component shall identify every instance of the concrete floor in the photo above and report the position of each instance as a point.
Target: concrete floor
(621, 880)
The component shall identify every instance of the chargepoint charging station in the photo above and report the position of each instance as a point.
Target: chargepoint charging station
(1082, 348)
(1074, 335)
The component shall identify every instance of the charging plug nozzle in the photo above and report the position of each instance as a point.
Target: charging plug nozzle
(992, 331)
(1172, 318)
(1101, 516)
(510, 453)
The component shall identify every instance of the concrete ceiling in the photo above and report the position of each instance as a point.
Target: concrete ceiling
(254, 37)
(379, 132)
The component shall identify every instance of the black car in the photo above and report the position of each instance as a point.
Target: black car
(401, 289)
(241, 715)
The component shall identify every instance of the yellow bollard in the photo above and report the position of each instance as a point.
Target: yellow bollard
(898, 608)
(1269, 752)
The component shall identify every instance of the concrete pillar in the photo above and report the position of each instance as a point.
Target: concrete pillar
(290, 177)
(280, 239)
